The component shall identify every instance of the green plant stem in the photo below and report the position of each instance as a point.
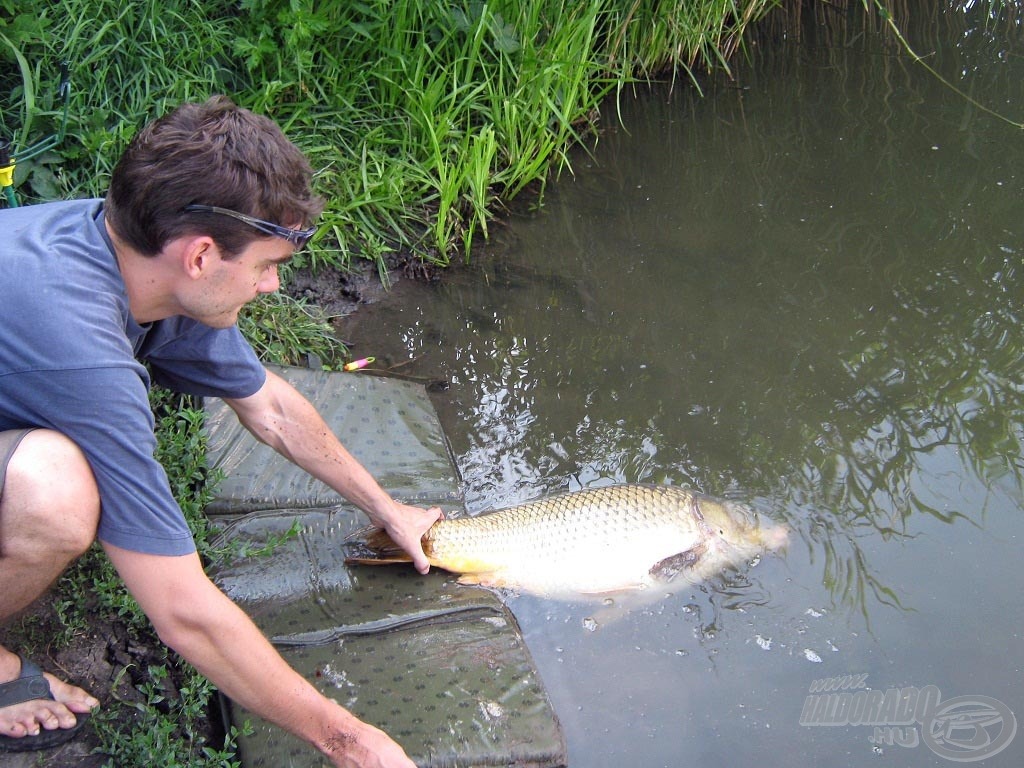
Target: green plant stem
(886, 15)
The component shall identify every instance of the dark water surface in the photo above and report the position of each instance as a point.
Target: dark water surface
(802, 290)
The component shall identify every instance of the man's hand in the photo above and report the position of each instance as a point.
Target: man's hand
(364, 747)
(281, 417)
(406, 525)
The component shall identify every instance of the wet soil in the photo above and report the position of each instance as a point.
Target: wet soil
(341, 292)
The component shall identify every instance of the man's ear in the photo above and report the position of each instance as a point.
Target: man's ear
(198, 255)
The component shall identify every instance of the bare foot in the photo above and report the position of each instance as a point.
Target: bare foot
(30, 717)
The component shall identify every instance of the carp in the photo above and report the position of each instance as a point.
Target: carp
(594, 541)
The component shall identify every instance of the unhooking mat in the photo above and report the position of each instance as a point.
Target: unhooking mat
(440, 666)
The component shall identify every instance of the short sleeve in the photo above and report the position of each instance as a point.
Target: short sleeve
(189, 357)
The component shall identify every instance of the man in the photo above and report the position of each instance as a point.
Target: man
(203, 208)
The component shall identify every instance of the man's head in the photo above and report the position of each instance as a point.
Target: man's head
(210, 155)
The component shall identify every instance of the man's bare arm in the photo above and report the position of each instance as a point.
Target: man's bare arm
(281, 417)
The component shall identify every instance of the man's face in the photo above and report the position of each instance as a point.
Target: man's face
(229, 284)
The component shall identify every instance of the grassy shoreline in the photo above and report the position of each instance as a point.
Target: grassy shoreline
(422, 120)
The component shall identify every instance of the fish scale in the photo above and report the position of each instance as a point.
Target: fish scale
(596, 540)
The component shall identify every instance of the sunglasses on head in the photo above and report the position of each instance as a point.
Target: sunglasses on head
(297, 237)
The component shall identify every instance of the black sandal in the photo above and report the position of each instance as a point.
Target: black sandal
(29, 686)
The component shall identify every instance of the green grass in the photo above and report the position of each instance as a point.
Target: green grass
(289, 331)
(422, 118)
(166, 723)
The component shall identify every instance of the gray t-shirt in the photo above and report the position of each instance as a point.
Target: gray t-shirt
(70, 355)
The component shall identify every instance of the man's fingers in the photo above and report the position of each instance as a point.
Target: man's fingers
(423, 565)
(419, 559)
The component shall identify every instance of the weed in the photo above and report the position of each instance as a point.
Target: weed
(163, 720)
(290, 331)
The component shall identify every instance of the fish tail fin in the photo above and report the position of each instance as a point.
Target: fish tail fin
(377, 548)
(380, 542)
(378, 560)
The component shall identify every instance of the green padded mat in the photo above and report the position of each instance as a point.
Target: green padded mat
(388, 424)
(440, 666)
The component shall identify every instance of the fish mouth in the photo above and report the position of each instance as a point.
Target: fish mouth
(775, 536)
(749, 523)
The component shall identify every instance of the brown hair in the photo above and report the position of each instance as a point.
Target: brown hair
(214, 153)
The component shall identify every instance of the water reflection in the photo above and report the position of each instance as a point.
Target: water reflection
(803, 290)
(835, 298)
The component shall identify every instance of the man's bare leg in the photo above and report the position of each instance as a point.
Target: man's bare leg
(49, 510)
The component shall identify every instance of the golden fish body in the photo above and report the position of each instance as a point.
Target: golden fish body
(596, 540)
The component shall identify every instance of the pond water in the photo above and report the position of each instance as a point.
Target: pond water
(801, 289)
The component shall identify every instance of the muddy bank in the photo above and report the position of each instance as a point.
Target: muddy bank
(341, 292)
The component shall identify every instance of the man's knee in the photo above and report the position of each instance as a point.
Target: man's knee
(51, 491)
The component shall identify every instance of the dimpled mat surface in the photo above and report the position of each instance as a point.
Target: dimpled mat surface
(388, 424)
(440, 666)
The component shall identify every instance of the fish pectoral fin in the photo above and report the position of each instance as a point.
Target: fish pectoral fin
(613, 590)
(372, 546)
(671, 566)
(493, 579)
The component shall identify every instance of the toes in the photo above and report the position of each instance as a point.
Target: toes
(82, 706)
(14, 730)
(65, 720)
(26, 725)
(33, 717)
(74, 698)
(49, 721)
(32, 723)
